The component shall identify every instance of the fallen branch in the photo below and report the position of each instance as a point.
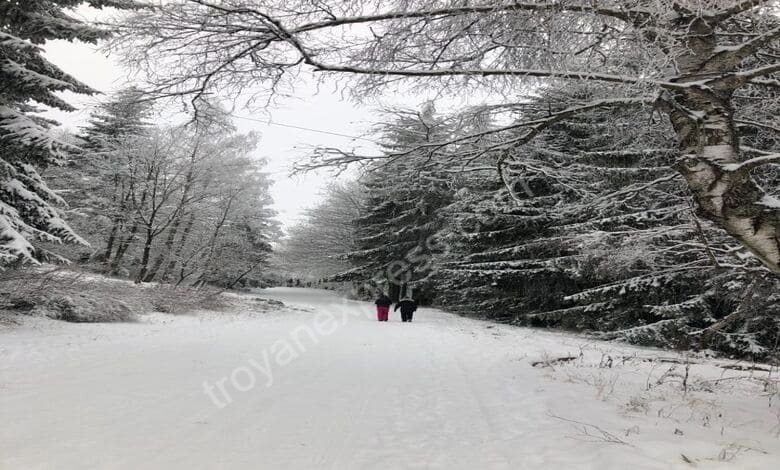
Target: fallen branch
(549, 362)
(744, 368)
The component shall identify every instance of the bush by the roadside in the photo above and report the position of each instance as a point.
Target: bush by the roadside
(75, 296)
(85, 308)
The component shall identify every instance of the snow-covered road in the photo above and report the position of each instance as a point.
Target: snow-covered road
(294, 390)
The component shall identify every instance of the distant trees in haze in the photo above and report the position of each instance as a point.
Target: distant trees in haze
(318, 245)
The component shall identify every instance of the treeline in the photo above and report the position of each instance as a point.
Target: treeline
(181, 204)
(586, 228)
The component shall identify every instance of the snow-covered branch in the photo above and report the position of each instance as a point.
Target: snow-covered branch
(762, 125)
(754, 163)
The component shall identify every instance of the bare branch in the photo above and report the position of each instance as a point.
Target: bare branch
(739, 8)
(736, 54)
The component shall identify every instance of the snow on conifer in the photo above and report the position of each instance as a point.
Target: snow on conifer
(27, 207)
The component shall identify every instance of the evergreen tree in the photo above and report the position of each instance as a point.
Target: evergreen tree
(588, 229)
(27, 205)
(395, 234)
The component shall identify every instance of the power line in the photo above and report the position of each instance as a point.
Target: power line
(302, 128)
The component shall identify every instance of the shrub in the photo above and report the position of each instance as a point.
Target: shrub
(74, 296)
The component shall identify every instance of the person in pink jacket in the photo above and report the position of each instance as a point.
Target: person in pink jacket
(383, 307)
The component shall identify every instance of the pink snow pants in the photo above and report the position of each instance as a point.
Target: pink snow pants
(382, 313)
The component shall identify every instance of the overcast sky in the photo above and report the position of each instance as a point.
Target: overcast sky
(279, 145)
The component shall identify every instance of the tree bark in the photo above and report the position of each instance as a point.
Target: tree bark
(703, 118)
(110, 242)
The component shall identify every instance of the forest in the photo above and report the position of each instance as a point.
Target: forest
(613, 170)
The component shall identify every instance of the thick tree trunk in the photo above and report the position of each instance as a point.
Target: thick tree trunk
(703, 118)
(732, 200)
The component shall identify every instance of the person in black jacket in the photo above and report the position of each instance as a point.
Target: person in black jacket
(408, 307)
(383, 307)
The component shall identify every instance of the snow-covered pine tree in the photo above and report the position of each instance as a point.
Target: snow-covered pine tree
(395, 235)
(592, 232)
(125, 114)
(728, 304)
(27, 206)
(520, 244)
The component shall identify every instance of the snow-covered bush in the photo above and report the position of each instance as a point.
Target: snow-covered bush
(83, 307)
(77, 296)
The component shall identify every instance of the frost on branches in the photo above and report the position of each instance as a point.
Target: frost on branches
(691, 58)
(592, 230)
(587, 228)
(27, 206)
(395, 233)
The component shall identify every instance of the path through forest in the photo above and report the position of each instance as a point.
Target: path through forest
(338, 390)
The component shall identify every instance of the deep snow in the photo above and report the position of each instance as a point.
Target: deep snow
(443, 392)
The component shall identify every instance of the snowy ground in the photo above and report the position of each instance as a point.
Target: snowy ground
(324, 386)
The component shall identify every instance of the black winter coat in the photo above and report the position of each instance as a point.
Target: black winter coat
(407, 306)
(383, 301)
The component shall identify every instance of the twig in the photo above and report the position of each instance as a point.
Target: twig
(549, 362)
(588, 430)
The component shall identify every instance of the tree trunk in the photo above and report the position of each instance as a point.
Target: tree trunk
(121, 249)
(703, 118)
(177, 217)
(117, 225)
(241, 276)
(166, 250)
(110, 243)
(146, 254)
(725, 193)
(166, 274)
(202, 279)
(125, 242)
